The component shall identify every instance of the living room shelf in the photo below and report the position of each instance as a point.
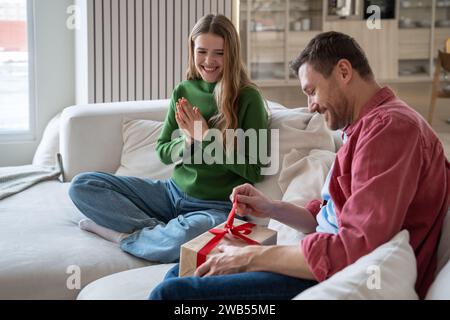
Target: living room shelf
(423, 27)
(273, 32)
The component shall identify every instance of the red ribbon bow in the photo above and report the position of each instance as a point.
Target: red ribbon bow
(236, 231)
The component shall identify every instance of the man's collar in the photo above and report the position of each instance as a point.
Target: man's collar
(377, 99)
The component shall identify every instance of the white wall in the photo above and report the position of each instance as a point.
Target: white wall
(55, 75)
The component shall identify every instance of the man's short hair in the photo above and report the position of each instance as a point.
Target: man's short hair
(325, 50)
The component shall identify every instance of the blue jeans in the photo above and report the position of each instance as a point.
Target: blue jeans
(159, 216)
(239, 286)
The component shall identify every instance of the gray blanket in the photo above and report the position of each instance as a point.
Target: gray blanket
(17, 179)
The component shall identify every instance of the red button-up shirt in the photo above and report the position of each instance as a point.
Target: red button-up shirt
(391, 175)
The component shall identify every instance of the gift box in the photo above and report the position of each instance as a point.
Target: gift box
(196, 251)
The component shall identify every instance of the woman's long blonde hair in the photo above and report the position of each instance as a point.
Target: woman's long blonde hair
(234, 76)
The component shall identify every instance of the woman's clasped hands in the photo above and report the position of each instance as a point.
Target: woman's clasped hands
(190, 121)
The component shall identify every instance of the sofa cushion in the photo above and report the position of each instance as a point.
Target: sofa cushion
(388, 272)
(298, 130)
(139, 158)
(133, 284)
(45, 255)
(302, 177)
(45, 155)
(301, 180)
(440, 288)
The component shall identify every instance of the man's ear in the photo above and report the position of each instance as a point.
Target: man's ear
(344, 70)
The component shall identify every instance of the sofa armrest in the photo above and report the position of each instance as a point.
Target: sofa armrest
(91, 135)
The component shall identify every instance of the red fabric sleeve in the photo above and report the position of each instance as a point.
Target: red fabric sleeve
(314, 207)
(384, 178)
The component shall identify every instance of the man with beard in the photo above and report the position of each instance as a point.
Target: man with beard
(391, 174)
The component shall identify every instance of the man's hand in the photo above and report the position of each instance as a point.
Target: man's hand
(287, 260)
(252, 202)
(231, 259)
(187, 118)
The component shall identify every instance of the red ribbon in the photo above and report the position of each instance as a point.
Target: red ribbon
(236, 231)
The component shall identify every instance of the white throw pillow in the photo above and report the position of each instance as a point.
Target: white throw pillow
(302, 177)
(45, 155)
(301, 180)
(134, 284)
(139, 158)
(298, 130)
(388, 272)
(440, 288)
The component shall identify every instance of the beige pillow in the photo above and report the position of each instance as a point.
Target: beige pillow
(139, 158)
(302, 177)
(298, 130)
(388, 272)
(301, 180)
(440, 288)
(45, 155)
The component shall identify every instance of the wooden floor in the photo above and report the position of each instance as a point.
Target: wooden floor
(417, 95)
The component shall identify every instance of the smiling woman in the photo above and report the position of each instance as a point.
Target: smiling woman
(155, 217)
(15, 109)
(209, 56)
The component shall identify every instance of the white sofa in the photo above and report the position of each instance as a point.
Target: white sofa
(46, 256)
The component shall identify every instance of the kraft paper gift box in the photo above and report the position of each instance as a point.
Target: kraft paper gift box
(195, 252)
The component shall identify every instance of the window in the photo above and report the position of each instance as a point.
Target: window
(16, 112)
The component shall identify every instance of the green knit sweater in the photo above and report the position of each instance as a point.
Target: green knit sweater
(210, 181)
